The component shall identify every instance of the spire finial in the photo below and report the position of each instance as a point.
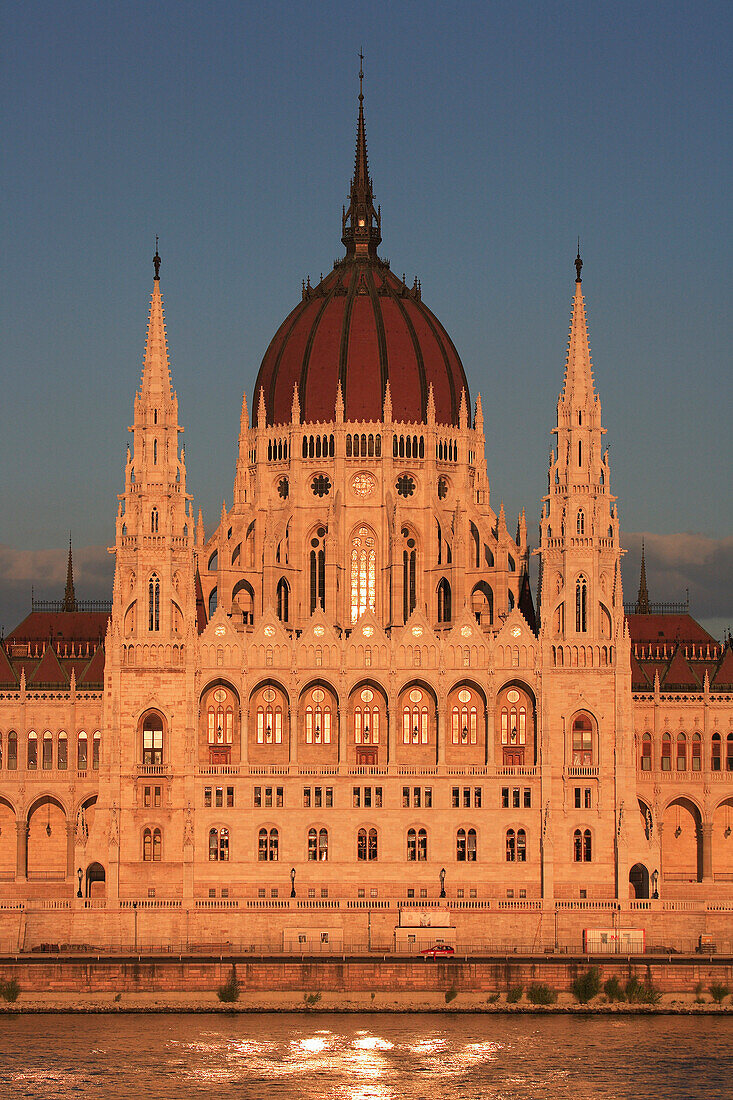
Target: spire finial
(69, 594)
(361, 74)
(361, 223)
(156, 260)
(642, 600)
(578, 264)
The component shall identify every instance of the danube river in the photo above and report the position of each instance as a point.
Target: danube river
(366, 1057)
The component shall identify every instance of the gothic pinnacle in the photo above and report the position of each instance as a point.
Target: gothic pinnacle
(156, 261)
(578, 264)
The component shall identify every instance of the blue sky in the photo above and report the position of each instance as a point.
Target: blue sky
(497, 133)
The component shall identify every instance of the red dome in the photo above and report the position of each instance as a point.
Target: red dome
(363, 326)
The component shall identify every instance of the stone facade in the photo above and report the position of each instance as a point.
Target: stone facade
(343, 692)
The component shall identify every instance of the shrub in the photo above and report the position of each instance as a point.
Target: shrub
(9, 990)
(541, 994)
(514, 994)
(492, 999)
(699, 999)
(229, 992)
(311, 999)
(642, 993)
(451, 994)
(612, 989)
(718, 992)
(587, 986)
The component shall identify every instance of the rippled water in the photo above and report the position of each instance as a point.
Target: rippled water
(369, 1057)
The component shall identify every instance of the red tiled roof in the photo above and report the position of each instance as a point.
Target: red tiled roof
(667, 628)
(639, 679)
(76, 626)
(94, 672)
(724, 675)
(7, 675)
(48, 670)
(680, 674)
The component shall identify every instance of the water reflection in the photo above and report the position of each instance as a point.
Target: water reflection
(374, 1057)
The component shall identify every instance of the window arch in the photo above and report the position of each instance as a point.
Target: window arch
(681, 752)
(646, 752)
(581, 605)
(582, 846)
(154, 602)
(716, 753)
(268, 845)
(582, 741)
(409, 573)
(415, 717)
(366, 844)
(283, 600)
(218, 845)
(580, 522)
(464, 716)
(666, 760)
(696, 759)
(152, 845)
(319, 716)
(270, 723)
(729, 753)
(317, 569)
(82, 751)
(152, 731)
(367, 717)
(417, 845)
(318, 845)
(213, 601)
(47, 751)
(32, 750)
(96, 748)
(444, 601)
(12, 750)
(466, 845)
(154, 521)
(62, 754)
(363, 572)
(482, 603)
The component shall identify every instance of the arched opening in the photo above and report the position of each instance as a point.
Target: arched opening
(243, 597)
(466, 725)
(515, 725)
(8, 844)
(283, 600)
(363, 565)
(582, 741)
(682, 842)
(409, 573)
(269, 724)
(318, 724)
(95, 882)
(151, 730)
(219, 725)
(367, 723)
(416, 733)
(47, 841)
(444, 601)
(482, 604)
(639, 881)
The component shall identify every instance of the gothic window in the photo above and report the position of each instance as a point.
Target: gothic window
(442, 488)
(409, 573)
(511, 846)
(152, 740)
(411, 846)
(363, 573)
(82, 747)
(155, 452)
(405, 485)
(96, 744)
(464, 718)
(476, 546)
(270, 723)
(62, 757)
(466, 846)
(580, 522)
(268, 847)
(322, 845)
(444, 601)
(213, 562)
(283, 488)
(716, 754)
(321, 485)
(154, 603)
(152, 845)
(681, 752)
(696, 753)
(666, 752)
(415, 718)
(581, 605)
(220, 719)
(582, 846)
(12, 750)
(154, 522)
(219, 845)
(366, 845)
(47, 753)
(213, 600)
(582, 741)
(646, 753)
(729, 753)
(482, 603)
(318, 570)
(366, 718)
(283, 600)
(318, 718)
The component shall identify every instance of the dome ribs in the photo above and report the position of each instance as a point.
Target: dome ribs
(398, 400)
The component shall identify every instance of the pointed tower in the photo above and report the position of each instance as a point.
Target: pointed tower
(642, 600)
(579, 526)
(69, 594)
(154, 544)
(361, 223)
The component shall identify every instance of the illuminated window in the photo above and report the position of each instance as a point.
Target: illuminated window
(581, 605)
(219, 845)
(267, 845)
(582, 741)
(415, 719)
(152, 740)
(154, 603)
(82, 746)
(366, 844)
(582, 846)
(464, 719)
(366, 719)
(363, 573)
(269, 723)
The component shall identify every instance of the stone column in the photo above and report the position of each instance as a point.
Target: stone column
(70, 842)
(706, 834)
(21, 860)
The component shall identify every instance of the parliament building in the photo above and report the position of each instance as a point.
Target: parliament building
(343, 714)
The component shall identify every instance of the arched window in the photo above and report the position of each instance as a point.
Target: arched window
(511, 846)
(471, 846)
(47, 755)
(580, 522)
(154, 602)
(367, 718)
(363, 573)
(666, 753)
(153, 740)
(729, 753)
(213, 845)
(157, 845)
(270, 723)
(96, 744)
(317, 561)
(444, 601)
(582, 846)
(219, 845)
(32, 750)
(147, 845)
(12, 750)
(213, 600)
(464, 718)
(152, 845)
(716, 753)
(82, 752)
(461, 845)
(62, 757)
(482, 603)
(322, 845)
(521, 846)
(409, 573)
(318, 718)
(312, 845)
(696, 752)
(283, 600)
(155, 452)
(268, 845)
(581, 605)
(415, 719)
(422, 845)
(476, 546)
(681, 752)
(411, 845)
(154, 521)
(366, 844)
(582, 741)
(646, 752)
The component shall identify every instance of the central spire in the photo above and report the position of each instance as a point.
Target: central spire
(361, 223)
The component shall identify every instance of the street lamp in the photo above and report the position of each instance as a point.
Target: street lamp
(655, 884)
(442, 882)
(79, 874)
(292, 882)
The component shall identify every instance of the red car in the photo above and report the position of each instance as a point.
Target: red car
(438, 951)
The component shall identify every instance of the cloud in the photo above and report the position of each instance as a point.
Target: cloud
(680, 562)
(44, 572)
